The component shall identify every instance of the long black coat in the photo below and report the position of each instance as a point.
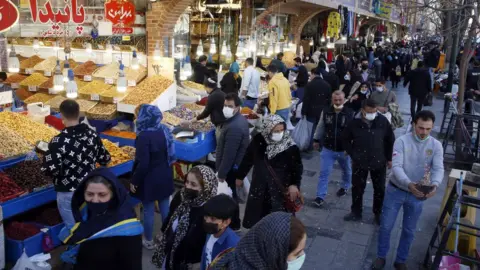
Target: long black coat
(265, 195)
(317, 95)
(230, 84)
(420, 82)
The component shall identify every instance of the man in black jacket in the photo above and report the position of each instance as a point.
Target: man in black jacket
(328, 135)
(330, 78)
(473, 76)
(377, 65)
(231, 147)
(200, 70)
(317, 96)
(71, 156)
(420, 86)
(432, 59)
(368, 139)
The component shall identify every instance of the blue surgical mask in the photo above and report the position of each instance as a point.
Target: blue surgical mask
(297, 263)
(418, 139)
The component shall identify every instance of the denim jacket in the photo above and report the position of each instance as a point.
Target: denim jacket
(227, 240)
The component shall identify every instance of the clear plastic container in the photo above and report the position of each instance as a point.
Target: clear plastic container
(38, 111)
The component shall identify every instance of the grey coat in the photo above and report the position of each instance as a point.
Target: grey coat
(232, 144)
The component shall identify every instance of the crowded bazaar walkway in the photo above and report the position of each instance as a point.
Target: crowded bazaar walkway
(336, 244)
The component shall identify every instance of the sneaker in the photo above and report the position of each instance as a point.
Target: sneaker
(150, 245)
(318, 202)
(400, 266)
(341, 192)
(377, 219)
(378, 264)
(353, 217)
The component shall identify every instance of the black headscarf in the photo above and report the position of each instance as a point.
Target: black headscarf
(265, 246)
(119, 208)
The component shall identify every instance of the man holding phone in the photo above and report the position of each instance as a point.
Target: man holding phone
(71, 156)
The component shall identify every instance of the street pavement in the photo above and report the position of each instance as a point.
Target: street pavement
(335, 244)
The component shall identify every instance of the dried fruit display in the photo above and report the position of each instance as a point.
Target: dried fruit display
(28, 175)
(50, 63)
(12, 144)
(111, 95)
(171, 119)
(112, 71)
(49, 84)
(182, 112)
(193, 85)
(130, 151)
(30, 62)
(28, 129)
(49, 216)
(86, 68)
(36, 79)
(85, 105)
(193, 107)
(15, 78)
(185, 92)
(21, 231)
(103, 111)
(23, 93)
(121, 134)
(202, 126)
(118, 155)
(95, 87)
(55, 102)
(38, 97)
(8, 189)
(148, 90)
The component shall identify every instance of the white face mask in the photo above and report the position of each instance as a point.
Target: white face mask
(347, 77)
(297, 263)
(370, 116)
(379, 88)
(277, 136)
(338, 107)
(363, 91)
(228, 112)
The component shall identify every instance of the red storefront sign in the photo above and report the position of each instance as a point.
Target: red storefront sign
(46, 14)
(8, 15)
(120, 12)
(122, 30)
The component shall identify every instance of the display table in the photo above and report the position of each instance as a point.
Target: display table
(38, 198)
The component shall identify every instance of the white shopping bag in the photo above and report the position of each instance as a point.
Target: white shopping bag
(242, 192)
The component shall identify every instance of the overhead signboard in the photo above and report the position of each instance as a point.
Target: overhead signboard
(9, 15)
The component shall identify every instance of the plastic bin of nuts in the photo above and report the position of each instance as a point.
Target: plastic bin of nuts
(55, 102)
(103, 112)
(111, 95)
(38, 97)
(92, 91)
(85, 105)
(33, 82)
(85, 70)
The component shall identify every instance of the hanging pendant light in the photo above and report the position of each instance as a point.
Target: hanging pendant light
(66, 67)
(88, 47)
(13, 62)
(187, 67)
(224, 48)
(261, 51)
(240, 49)
(322, 39)
(58, 78)
(36, 44)
(213, 47)
(200, 48)
(122, 80)
(72, 88)
(156, 53)
(270, 50)
(135, 64)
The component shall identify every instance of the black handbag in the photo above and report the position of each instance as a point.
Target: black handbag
(428, 100)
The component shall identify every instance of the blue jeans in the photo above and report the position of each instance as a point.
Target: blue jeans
(314, 121)
(148, 216)
(250, 103)
(430, 70)
(412, 208)
(327, 159)
(64, 203)
(283, 113)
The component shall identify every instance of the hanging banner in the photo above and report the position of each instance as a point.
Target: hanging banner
(121, 14)
(365, 5)
(70, 13)
(382, 8)
(8, 15)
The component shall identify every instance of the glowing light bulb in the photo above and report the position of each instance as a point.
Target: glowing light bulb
(135, 64)
(13, 62)
(58, 78)
(213, 47)
(72, 88)
(224, 48)
(36, 44)
(88, 47)
(200, 49)
(122, 80)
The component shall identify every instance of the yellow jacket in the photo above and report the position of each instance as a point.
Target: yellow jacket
(279, 93)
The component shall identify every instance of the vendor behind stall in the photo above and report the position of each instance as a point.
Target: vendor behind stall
(200, 70)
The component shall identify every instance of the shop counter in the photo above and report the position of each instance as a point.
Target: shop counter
(38, 198)
(7, 163)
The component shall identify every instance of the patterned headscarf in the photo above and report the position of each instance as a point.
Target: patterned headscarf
(265, 246)
(150, 119)
(182, 213)
(274, 148)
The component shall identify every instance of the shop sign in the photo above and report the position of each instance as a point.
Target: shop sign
(122, 31)
(70, 13)
(382, 8)
(8, 15)
(121, 13)
(57, 29)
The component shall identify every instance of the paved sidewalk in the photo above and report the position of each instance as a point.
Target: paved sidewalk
(336, 244)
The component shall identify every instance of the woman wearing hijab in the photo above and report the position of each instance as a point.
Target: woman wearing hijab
(107, 235)
(183, 233)
(276, 242)
(355, 102)
(259, 64)
(152, 178)
(231, 82)
(276, 160)
(340, 67)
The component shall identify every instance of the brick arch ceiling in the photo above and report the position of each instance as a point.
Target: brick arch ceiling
(161, 20)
